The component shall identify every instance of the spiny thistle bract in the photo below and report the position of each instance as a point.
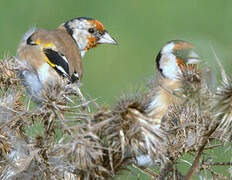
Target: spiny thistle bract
(8, 77)
(186, 125)
(223, 108)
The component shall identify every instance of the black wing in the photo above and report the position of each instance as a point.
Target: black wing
(57, 61)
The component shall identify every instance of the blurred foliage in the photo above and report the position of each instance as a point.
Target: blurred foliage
(141, 28)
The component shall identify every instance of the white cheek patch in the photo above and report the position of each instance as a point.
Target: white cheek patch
(80, 37)
(83, 24)
(77, 23)
(169, 66)
(80, 34)
(168, 49)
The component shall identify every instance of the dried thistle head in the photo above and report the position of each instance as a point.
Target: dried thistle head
(106, 125)
(12, 113)
(190, 78)
(9, 105)
(143, 136)
(222, 102)
(185, 125)
(128, 134)
(23, 161)
(194, 88)
(82, 156)
(8, 75)
(135, 131)
(56, 94)
(137, 100)
(223, 107)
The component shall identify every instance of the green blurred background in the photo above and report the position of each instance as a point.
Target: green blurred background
(140, 27)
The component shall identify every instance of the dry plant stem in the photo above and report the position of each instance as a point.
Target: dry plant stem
(219, 163)
(85, 108)
(165, 170)
(217, 175)
(177, 175)
(213, 146)
(146, 171)
(195, 164)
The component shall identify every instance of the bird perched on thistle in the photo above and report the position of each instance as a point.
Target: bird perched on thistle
(176, 60)
(57, 54)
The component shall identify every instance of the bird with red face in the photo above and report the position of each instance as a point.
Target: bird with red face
(174, 58)
(58, 53)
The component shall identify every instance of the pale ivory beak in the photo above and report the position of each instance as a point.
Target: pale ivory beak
(193, 58)
(107, 39)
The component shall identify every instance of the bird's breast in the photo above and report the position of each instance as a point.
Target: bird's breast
(47, 74)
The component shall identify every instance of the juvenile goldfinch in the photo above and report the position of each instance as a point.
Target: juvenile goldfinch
(57, 54)
(171, 62)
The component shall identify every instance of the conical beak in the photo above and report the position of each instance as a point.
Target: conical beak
(107, 39)
(194, 58)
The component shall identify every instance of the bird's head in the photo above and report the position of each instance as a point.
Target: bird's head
(88, 33)
(174, 56)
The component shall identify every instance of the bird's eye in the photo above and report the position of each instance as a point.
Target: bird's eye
(91, 30)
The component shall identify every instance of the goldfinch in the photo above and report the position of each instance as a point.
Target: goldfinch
(170, 63)
(57, 54)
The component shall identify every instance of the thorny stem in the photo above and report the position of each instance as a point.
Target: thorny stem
(177, 175)
(223, 73)
(164, 171)
(213, 146)
(147, 171)
(219, 163)
(195, 164)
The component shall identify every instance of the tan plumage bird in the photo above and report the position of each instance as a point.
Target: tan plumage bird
(171, 61)
(57, 54)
